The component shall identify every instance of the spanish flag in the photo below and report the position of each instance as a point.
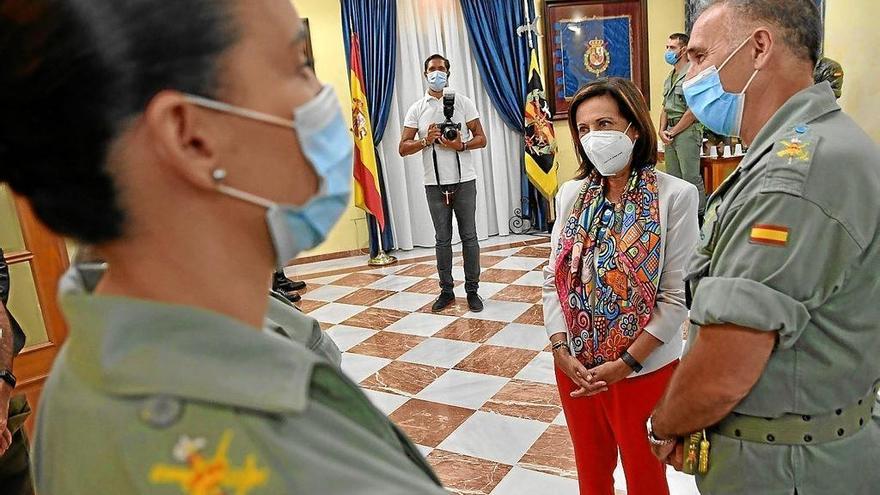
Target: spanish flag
(366, 175)
(540, 140)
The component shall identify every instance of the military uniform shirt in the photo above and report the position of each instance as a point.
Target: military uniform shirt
(791, 245)
(155, 398)
(673, 94)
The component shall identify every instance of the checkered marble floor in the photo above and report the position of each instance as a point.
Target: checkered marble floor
(475, 391)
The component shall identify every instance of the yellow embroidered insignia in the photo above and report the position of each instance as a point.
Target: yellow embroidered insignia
(209, 476)
(794, 150)
(771, 235)
(597, 58)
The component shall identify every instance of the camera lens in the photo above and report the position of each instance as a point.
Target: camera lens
(450, 134)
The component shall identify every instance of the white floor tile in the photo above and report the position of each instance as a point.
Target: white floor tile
(347, 337)
(521, 336)
(500, 311)
(424, 450)
(422, 324)
(539, 370)
(527, 482)
(359, 367)
(494, 437)
(531, 279)
(463, 389)
(325, 280)
(328, 293)
(336, 313)
(387, 403)
(396, 283)
(487, 290)
(560, 420)
(406, 301)
(517, 263)
(442, 353)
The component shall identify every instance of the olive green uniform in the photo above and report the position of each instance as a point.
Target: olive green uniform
(161, 399)
(791, 244)
(683, 154)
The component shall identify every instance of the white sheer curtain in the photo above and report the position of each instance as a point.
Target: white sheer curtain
(426, 27)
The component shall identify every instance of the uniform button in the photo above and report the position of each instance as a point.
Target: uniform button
(860, 402)
(806, 418)
(801, 129)
(838, 412)
(771, 438)
(840, 432)
(161, 411)
(737, 433)
(861, 421)
(808, 438)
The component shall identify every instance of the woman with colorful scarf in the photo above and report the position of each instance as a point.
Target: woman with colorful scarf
(614, 297)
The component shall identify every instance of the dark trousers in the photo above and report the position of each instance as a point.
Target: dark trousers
(464, 204)
(15, 475)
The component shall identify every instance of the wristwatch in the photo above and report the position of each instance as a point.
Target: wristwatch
(424, 142)
(653, 439)
(8, 377)
(630, 361)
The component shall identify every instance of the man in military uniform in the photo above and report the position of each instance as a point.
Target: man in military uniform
(681, 134)
(831, 71)
(15, 476)
(781, 371)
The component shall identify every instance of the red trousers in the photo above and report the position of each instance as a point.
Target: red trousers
(601, 424)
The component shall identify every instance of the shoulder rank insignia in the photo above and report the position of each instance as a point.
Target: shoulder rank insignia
(794, 149)
(771, 235)
(200, 475)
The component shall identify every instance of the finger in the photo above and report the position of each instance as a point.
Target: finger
(577, 394)
(7, 435)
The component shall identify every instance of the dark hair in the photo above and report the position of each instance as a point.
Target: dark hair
(632, 106)
(799, 20)
(435, 57)
(681, 38)
(74, 73)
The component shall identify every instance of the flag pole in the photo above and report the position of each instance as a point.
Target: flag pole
(382, 258)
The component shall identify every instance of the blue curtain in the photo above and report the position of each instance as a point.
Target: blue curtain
(503, 61)
(375, 22)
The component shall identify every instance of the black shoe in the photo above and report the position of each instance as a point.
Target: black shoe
(293, 297)
(297, 285)
(445, 299)
(475, 302)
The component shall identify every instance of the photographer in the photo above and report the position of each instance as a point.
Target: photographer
(450, 176)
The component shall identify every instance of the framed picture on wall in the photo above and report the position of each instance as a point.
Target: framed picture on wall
(593, 39)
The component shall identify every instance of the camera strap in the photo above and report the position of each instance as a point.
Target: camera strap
(448, 194)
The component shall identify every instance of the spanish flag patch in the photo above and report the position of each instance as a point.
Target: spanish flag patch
(771, 235)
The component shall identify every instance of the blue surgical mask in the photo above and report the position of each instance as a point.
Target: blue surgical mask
(717, 109)
(671, 57)
(326, 143)
(437, 80)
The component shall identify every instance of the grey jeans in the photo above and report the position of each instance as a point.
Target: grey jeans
(464, 204)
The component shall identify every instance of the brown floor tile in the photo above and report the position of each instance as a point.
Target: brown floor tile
(387, 345)
(428, 286)
(429, 423)
(519, 293)
(541, 266)
(553, 453)
(534, 316)
(402, 378)
(500, 276)
(526, 400)
(307, 305)
(490, 261)
(418, 270)
(366, 297)
(467, 475)
(496, 360)
(535, 252)
(358, 280)
(471, 330)
(458, 308)
(375, 318)
(325, 326)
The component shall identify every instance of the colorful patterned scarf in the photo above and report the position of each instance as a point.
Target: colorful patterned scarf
(608, 267)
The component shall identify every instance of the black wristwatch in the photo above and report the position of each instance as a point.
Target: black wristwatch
(631, 361)
(8, 377)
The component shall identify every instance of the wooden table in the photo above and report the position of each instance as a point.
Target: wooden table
(715, 170)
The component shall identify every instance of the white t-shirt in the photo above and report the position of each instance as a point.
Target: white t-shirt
(429, 110)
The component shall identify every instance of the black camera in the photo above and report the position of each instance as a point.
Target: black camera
(449, 128)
